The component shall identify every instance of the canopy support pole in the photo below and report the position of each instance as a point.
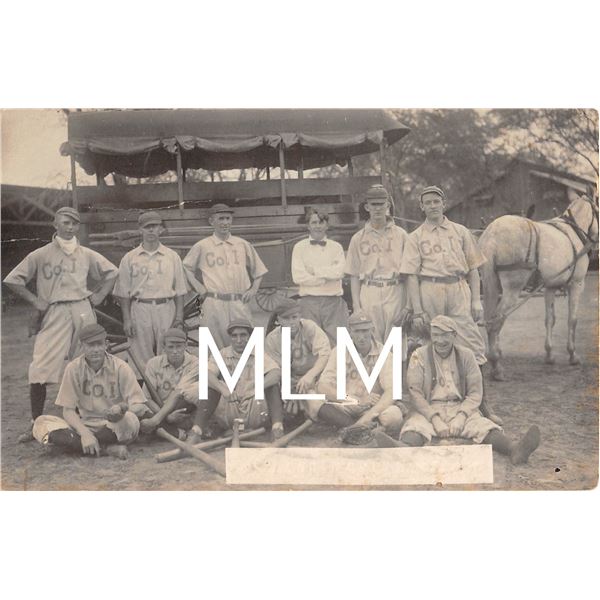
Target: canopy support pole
(179, 181)
(382, 160)
(301, 165)
(282, 176)
(350, 167)
(268, 173)
(74, 182)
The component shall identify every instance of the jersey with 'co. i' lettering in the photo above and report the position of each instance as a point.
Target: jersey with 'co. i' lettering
(164, 377)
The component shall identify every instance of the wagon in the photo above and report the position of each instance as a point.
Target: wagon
(267, 164)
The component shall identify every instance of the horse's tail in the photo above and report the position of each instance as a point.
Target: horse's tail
(492, 288)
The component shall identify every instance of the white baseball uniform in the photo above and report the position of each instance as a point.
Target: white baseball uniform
(61, 279)
(447, 250)
(164, 377)
(151, 280)
(374, 256)
(225, 268)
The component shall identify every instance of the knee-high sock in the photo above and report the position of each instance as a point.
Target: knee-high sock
(37, 397)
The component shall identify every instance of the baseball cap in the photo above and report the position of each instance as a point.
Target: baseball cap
(92, 332)
(174, 334)
(433, 189)
(377, 192)
(444, 323)
(359, 319)
(240, 323)
(287, 307)
(220, 208)
(67, 211)
(150, 217)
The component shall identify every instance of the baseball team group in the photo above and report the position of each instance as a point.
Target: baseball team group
(426, 281)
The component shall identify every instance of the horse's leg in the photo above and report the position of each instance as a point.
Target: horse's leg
(512, 283)
(549, 297)
(574, 291)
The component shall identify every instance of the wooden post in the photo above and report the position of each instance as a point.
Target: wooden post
(179, 181)
(74, 182)
(301, 165)
(382, 160)
(268, 173)
(282, 175)
(350, 167)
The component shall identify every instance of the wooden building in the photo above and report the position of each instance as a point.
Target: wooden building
(524, 188)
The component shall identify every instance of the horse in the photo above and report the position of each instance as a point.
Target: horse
(515, 247)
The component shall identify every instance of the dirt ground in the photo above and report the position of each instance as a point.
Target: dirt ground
(562, 400)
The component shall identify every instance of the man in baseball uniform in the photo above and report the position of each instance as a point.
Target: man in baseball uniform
(226, 270)
(151, 289)
(60, 270)
(360, 406)
(440, 261)
(241, 403)
(101, 402)
(373, 263)
(173, 375)
(445, 386)
(310, 351)
(318, 268)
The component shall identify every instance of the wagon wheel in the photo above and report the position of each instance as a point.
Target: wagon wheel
(267, 300)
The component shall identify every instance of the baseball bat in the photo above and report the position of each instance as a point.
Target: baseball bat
(282, 441)
(208, 460)
(209, 445)
(153, 393)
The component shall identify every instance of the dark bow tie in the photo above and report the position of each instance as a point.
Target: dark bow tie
(317, 243)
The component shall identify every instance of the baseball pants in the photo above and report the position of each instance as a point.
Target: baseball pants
(384, 306)
(255, 413)
(328, 312)
(476, 426)
(454, 300)
(58, 340)
(150, 321)
(126, 429)
(217, 314)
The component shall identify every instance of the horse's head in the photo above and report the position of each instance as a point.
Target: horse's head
(582, 213)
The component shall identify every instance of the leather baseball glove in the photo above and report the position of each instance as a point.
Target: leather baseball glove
(358, 435)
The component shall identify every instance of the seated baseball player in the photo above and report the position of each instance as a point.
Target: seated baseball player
(227, 406)
(309, 351)
(445, 387)
(101, 402)
(165, 373)
(360, 408)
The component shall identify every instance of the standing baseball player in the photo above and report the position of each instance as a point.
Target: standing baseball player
(101, 402)
(310, 350)
(446, 387)
(318, 268)
(64, 303)
(241, 403)
(440, 261)
(168, 373)
(226, 270)
(151, 289)
(360, 408)
(373, 263)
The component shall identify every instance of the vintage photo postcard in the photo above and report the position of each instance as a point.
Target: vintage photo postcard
(311, 299)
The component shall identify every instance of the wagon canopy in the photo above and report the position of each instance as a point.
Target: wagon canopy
(145, 143)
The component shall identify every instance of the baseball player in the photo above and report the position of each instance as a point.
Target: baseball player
(318, 268)
(226, 270)
(165, 373)
(101, 402)
(241, 403)
(310, 350)
(440, 261)
(64, 303)
(373, 263)
(445, 386)
(151, 289)
(360, 407)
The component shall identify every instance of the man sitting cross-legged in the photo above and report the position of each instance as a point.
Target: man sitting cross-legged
(360, 408)
(101, 402)
(170, 374)
(241, 403)
(445, 387)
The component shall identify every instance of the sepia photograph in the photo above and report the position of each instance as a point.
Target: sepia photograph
(320, 299)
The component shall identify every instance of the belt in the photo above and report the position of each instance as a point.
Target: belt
(153, 300)
(226, 297)
(68, 301)
(445, 279)
(383, 282)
